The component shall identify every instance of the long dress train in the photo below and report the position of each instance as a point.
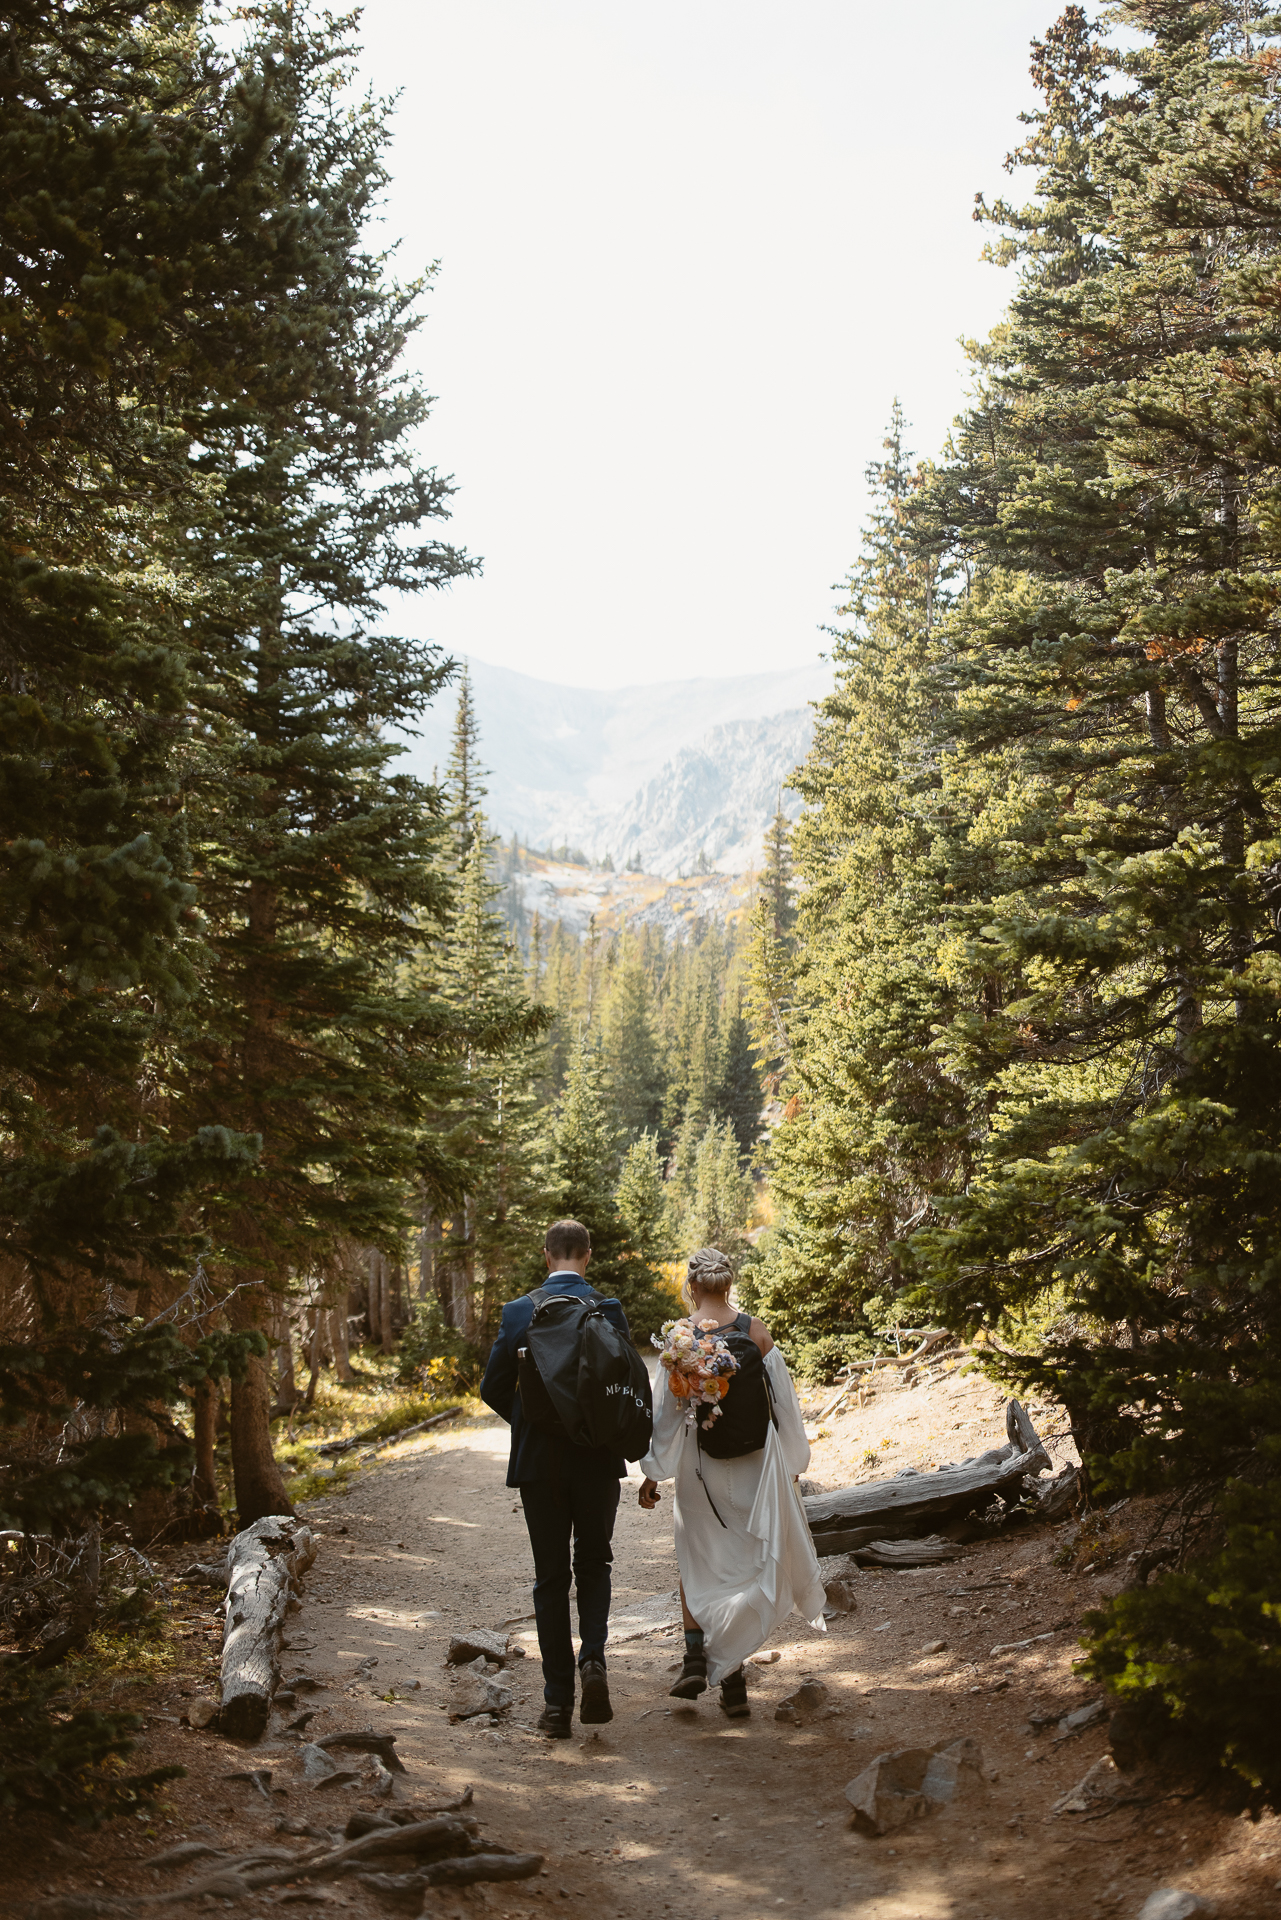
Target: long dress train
(741, 1579)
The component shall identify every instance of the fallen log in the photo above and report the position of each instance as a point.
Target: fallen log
(913, 1502)
(1056, 1498)
(930, 1552)
(265, 1565)
(387, 1439)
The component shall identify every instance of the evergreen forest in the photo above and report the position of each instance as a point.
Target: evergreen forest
(1028, 1008)
(287, 1084)
(275, 1076)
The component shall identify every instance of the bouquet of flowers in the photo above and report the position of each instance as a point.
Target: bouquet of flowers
(698, 1365)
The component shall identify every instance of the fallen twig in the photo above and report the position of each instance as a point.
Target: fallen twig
(858, 1367)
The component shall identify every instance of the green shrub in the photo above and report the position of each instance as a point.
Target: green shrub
(67, 1763)
(434, 1355)
(1200, 1650)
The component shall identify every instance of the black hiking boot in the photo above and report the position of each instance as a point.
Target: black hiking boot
(693, 1678)
(734, 1695)
(557, 1721)
(593, 1707)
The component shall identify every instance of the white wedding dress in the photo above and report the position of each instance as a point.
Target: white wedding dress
(742, 1579)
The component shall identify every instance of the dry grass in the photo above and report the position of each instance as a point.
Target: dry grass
(375, 1405)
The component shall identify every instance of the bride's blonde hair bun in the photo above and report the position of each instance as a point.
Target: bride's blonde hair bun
(709, 1269)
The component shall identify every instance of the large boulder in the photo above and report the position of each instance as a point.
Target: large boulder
(910, 1782)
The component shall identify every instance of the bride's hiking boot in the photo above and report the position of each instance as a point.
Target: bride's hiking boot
(556, 1721)
(593, 1707)
(693, 1677)
(734, 1695)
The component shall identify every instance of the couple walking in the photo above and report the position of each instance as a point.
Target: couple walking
(742, 1543)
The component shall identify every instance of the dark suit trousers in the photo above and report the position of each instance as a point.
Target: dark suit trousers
(572, 1500)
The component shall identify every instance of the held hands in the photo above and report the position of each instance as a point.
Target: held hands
(649, 1496)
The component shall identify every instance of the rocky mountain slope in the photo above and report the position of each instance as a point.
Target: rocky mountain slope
(577, 895)
(663, 774)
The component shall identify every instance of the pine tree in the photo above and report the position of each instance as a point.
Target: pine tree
(871, 1129)
(1075, 935)
(641, 1199)
(485, 1131)
(319, 858)
(631, 1052)
(578, 1177)
(148, 244)
(778, 878)
(771, 949)
(738, 1097)
(1116, 707)
(465, 778)
(711, 1197)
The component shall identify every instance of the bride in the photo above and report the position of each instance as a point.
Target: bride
(743, 1545)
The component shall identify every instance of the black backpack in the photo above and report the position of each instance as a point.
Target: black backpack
(742, 1424)
(581, 1379)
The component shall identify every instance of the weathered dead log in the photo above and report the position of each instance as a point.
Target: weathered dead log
(930, 1552)
(912, 1502)
(1056, 1498)
(265, 1565)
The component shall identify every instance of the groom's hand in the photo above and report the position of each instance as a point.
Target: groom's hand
(649, 1496)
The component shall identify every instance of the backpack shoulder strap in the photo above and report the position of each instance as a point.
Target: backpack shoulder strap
(769, 1392)
(743, 1324)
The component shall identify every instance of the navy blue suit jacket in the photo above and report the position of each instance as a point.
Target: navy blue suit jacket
(535, 1454)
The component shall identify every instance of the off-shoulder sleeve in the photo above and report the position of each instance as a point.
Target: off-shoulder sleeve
(663, 1458)
(791, 1428)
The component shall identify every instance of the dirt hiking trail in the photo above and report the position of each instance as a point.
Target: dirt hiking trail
(672, 1809)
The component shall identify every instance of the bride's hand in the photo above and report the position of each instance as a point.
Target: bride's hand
(649, 1496)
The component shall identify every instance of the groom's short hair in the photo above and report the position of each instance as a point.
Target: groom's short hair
(567, 1240)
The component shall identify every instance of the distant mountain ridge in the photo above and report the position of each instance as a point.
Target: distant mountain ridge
(662, 773)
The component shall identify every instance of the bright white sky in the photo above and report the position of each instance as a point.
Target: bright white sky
(690, 251)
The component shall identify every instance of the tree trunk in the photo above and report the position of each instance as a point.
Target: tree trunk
(383, 1331)
(428, 1241)
(373, 1269)
(260, 1490)
(283, 1336)
(442, 1277)
(313, 1360)
(339, 1339)
(204, 1421)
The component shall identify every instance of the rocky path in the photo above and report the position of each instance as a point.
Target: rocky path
(672, 1809)
(677, 1810)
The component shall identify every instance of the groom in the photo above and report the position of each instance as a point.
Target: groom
(568, 1492)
